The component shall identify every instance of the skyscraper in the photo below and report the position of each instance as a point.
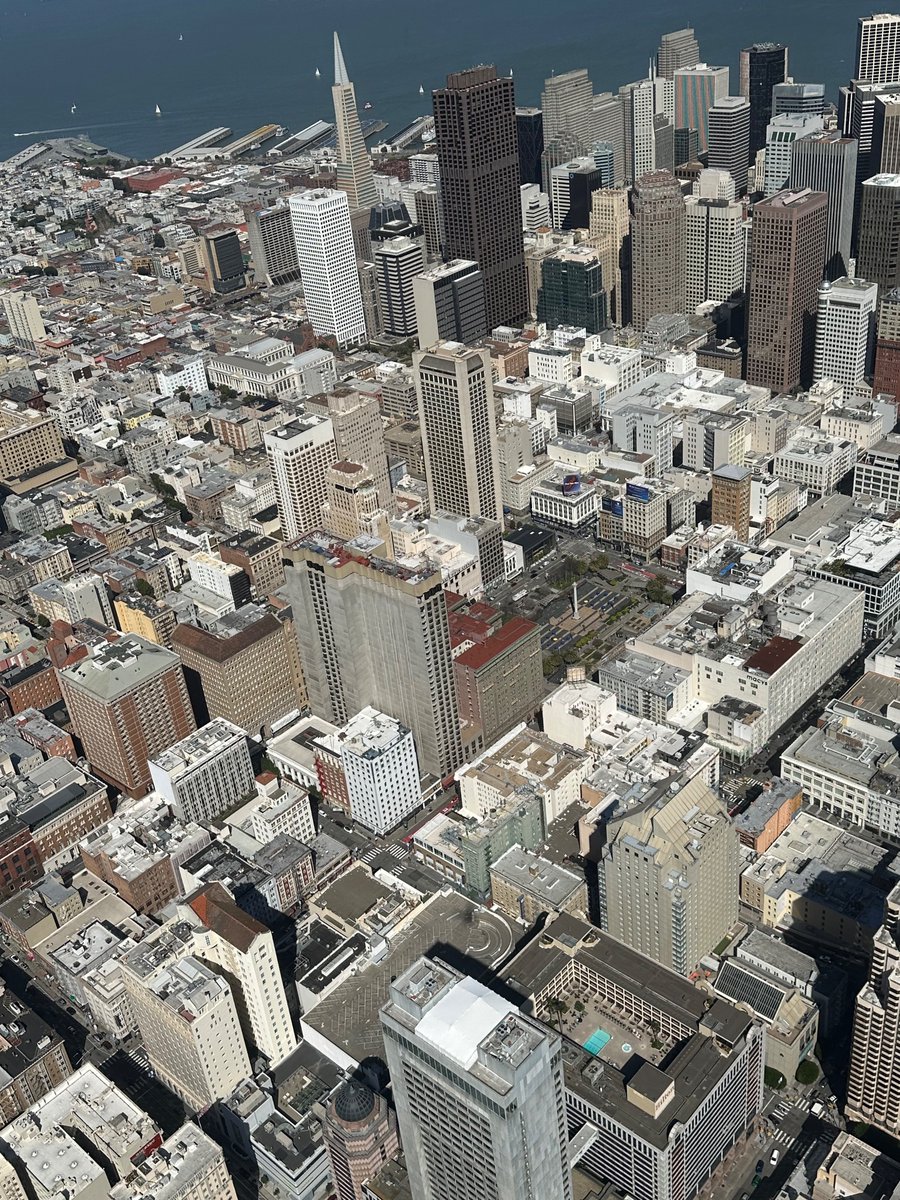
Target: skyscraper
(449, 302)
(128, 702)
(729, 135)
(571, 187)
(459, 432)
(608, 125)
(845, 333)
(697, 89)
(731, 498)
(220, 249)
(789, 231)
(875, 1051)
(567, 102)
(887, 348)
(792, 97)
(468, 1069)
(878, 256)
(354, 167)
(477, 144)
(670, 891)
(610, 234)
(678, 49)
(373, 632)
(825, 161)
(327, 260)
(658, 250)
(781, 134)
(530, 134)
(273, 249)
(359, 434)
(714, 250)
(572, 290)
(878, 49)
(643, 102)
(360, 1133)
(763, 65)
(399, 261)
(299, 455)
(23, 315)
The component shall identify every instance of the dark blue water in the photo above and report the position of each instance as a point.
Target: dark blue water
(246, 62)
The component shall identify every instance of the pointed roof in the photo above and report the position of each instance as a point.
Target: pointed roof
(340, 67)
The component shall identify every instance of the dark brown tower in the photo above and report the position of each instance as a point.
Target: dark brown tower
(477, 145)
(789, 231)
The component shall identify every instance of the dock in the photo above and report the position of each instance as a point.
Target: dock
(195, 147)
(414, 132)
(304, 139)
(248, 142)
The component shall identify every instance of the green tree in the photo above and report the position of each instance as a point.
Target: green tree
(41, 621)
(656, 591)
(557, 1007)
(774, 1079)
(807, 1072)
(143, 587)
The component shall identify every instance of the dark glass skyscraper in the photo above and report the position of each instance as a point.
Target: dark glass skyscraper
(477, 145)
(530, 130)
(572, 290)
(762, 66)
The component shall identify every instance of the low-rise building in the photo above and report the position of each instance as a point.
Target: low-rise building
(524, 885)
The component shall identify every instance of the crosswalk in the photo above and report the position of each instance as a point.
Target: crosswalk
(399, 852)
(782, 1136)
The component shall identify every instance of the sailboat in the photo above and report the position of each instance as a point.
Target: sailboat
(421, 90)
(318, 73)
(158, 111)
(72, 109)
(181, 37)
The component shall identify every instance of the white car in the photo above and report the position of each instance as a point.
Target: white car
(774, 1158)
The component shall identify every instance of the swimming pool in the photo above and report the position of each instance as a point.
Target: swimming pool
(597, 1041)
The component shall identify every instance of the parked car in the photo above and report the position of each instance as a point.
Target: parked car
(774, 1157)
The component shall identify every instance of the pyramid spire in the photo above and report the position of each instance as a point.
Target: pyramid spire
(340, 67)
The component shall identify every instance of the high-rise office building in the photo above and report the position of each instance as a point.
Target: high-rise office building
(845, 333)
(887, 347)
(604, 155)
(805, 98)
(789, 232)
(530, 134)
(714, 250)
(273, 250)
(729, 137)
(697, 89)
(610, 235)
(128, 701)
(373, 632)
(763, 66)
(878, 48)
(379, 761)
(781, 134)
(360, 1133)
(477, 144)
(878, 256)
(205, 773)
(676, 50)
(648, 106)
(456, 415)
(359, 434)
(687, 147)
(535, 208)
(657, 248)
(354, 167)
(669, 873)
(861, 116)
(874, 1080)
(571, 186)
(825, 161)
(731, 498)
(327, 258)
(608, 125)
(220, 251)
(399, 261)
(352, 506)
(888, 117)
(241, 949)
(299, 455)
(449, 302)
(23, 316)
(468, 1069)
(567, 103)
(572, 291)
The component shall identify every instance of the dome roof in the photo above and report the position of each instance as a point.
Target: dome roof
(353, 1101)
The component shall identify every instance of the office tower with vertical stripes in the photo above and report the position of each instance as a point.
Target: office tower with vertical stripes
(658, 247)
(477, 145)
(354, 167)
(789, 232)
(729, 137)
(763, 66)
(678, 49)
(878, 48)
(327, 258)
(273, 250)
(696, 91)
(878, 255)
(469, 1070)
(824, 161)
(845, 333)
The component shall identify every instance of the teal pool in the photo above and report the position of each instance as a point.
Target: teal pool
(597, 1041)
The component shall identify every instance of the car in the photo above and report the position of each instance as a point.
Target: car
(14, 958)
(756, 1181)
(760, 1167)
(745, 1196)
(773, 1158)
